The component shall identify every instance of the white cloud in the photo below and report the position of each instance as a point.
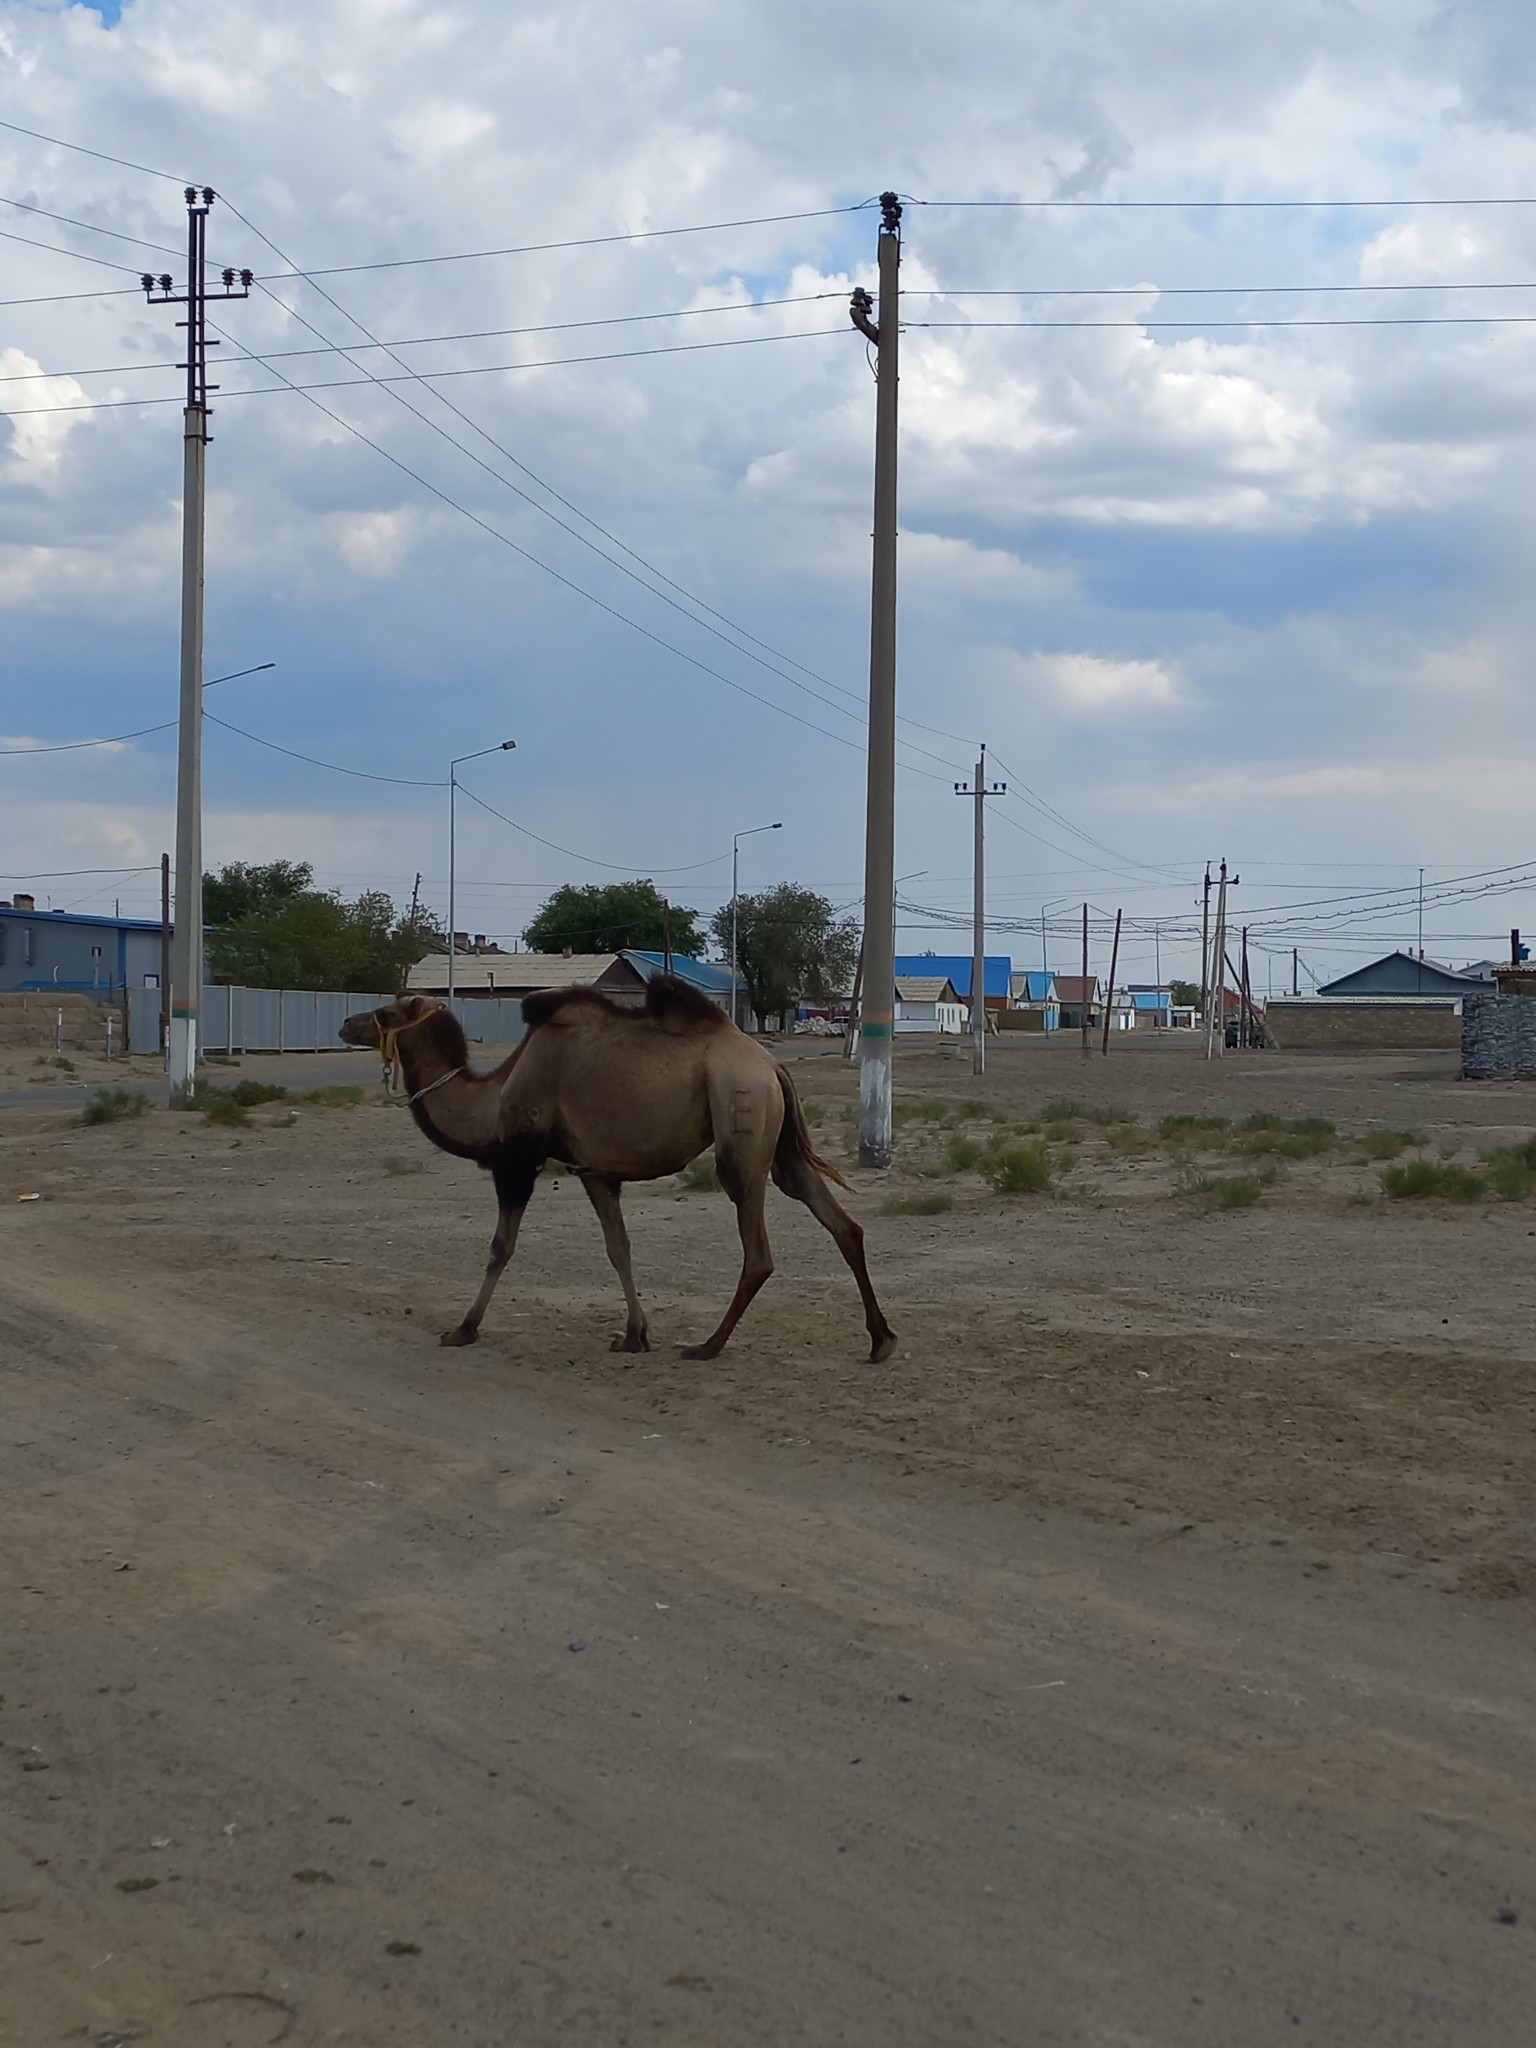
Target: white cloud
(1089, 684)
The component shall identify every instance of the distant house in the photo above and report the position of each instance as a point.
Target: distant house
(48, 949)
(1036, 1001)
(928, 1002)
(956, 968)
(1403, 974)
(1152, 1006)
(622, 975)
(1077, 994)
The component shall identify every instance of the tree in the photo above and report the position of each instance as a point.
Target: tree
(604, 917)
(313, 939)
(1185, 994)
(791, 948)
(240, 888)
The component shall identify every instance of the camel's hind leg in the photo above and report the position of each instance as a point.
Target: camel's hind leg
(603, 1193)
(797, 1178)
(747, 1191)
(514, 1169)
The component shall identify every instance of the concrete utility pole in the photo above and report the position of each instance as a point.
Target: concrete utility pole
(736, 839)
(978, 791)
(1086, 1005)
(877, 1015)
(503, 747)
(1205, 949)
(165, 956)
(187, 945)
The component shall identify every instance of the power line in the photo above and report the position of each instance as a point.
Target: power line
(90, 227)
(363, 774)
(411, 376)
(279, 355)
(613, 866)
(101, 155)
(1173, 291)
(549, 490)
(76, 746)
(1203, 205)
(31, 242)
(1155, 326)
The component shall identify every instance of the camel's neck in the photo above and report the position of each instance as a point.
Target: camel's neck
(455, 1108)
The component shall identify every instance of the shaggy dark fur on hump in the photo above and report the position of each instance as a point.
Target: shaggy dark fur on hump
(665, 997)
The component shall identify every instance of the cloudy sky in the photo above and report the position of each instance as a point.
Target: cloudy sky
(1216, 518)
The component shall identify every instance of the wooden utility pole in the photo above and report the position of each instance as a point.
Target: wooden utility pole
(877, 1016)
(1247, 992)
(187, 969)
(1216, 1011)
(666, 936)
(1295, 972)
(978, 791)
(1086, 1005)
(1109, 999)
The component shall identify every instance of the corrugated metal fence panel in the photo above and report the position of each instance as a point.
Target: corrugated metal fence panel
(303, 1020)
(490, 1020)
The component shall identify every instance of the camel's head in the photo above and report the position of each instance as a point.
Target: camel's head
(369, 1026)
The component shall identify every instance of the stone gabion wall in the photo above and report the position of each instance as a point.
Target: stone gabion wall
(1343, 1026)
(1498, 1037)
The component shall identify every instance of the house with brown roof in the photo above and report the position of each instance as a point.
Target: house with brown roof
(1073, 992)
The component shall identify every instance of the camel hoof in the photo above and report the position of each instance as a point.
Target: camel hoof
(631, 1341)
(699, 1351)
(459, 1334)
(882, 1347)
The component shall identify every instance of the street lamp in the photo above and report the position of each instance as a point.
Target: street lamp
(505, 747)
(736, 840)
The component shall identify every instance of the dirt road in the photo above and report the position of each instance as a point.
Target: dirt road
(1143, 1658)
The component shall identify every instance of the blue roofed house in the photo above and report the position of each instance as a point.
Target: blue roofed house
(956, 969)
(92, 955)
(704, 975)
(1150, 1006)
(1036, 1004)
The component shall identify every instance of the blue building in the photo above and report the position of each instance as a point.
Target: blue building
(956, 967)
(1035, 996)
(44, 949)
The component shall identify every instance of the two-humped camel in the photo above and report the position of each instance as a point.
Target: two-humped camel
(619, 1094)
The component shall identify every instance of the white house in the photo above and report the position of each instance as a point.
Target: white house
(927, 1002)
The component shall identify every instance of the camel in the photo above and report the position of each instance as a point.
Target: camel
(618, 1094)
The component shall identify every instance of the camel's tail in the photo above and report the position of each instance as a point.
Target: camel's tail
(795, 1137)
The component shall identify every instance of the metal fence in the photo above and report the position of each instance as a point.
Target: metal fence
(303, 1019)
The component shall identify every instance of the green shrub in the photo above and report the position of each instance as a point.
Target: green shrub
(922, 1110)
(1207, 1132)
(1225, 1190)
(1021, 1170)
(1388, 1144)
(1419, 1179)
(917, 1205)
(111, 1105)
(1063, 1109)
(249, 1093)
(65, 1066)
(1297, 1137)
(963, 1154)
(1130, 1141)
(333, 1098)
(220, 1106)
(699, 1176)
(1512, 1177)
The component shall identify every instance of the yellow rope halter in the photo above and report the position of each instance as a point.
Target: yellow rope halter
(389, 1048)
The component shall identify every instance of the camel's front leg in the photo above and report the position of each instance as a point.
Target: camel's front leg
(514, 1174)
(603, 1193)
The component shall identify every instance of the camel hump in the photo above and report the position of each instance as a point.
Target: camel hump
(545, 1004)
(668, 999)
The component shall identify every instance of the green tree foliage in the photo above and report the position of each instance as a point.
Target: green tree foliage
(1185, 994)
(603, 917)
(313, 939)
(791, 948)
(241, 888)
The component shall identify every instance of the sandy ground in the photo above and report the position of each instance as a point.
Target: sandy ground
(1144, 1655)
